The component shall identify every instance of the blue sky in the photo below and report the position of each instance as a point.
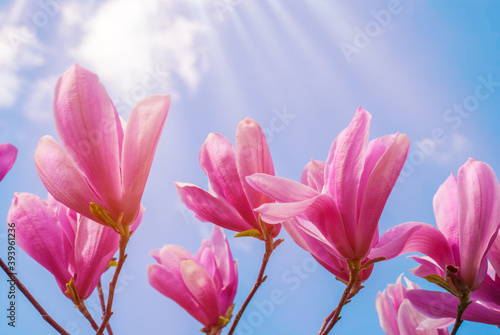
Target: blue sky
(417, 71)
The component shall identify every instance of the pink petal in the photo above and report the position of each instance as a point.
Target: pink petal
(202, 288)
(414, 237)
(156, 254)
(172, 286)
(281, 189)
(252, 156)
(446, 213)
(39, 234)
(8, 154)
(205, 258)
(346, 163)
(133, 227)
(387, 313)
(375, 150)
(321, 211)
(210, 209)
(444, 305)
(218, 161)
(86, 122)
(171, 257)
(144, 127)
(478, 218)
(409, 319)
(427, 267)
(310, 239)
(313, 175)
(62, 178)
(222, 255)
(95, 245)
(377, 190)
(489, 290)
(439, 326)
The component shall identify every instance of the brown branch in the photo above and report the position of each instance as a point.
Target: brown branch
(270, 246)
(103, 305)
(33, 301)
(354, 269)
(124, 238)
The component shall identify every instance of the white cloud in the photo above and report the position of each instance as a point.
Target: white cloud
(38, 104)
(19, 52)
(72, 14)
(137, 48)
(453, 148)
(125, 39)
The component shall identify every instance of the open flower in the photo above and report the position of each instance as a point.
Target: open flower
(75, 249)
(230, 201)
(342, 199)
(467, 210)
(203, 284)
(103, 159)
(398, 316)
(8, 154)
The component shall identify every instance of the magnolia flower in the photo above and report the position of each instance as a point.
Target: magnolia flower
(397, 315)
(8, 154)
(203, 284)
(339, 203)
(103, 159)
(309, 238)
(75, 249)
(230, 201)
(467, 210)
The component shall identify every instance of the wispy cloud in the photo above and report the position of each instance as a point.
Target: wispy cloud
(137, 49)
(122, 40)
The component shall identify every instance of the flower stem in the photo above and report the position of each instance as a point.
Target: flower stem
(103, 305)
(33, 301)
(270, 246)
(124, 238)
(83, 309)
(331, 320)
(462, 306)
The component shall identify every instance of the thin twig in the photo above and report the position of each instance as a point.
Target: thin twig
(83, 309)
(124, 238)
(103, 305)
(354, 269)
(462, 306)
(270, 246)
(33, 301)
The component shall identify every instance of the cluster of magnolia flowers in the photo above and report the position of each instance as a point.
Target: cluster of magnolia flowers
(97, 177)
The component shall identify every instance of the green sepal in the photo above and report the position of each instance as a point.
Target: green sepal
(439, 281)
(252, 233)
(112, 262)
(72, 293)
(103, 216)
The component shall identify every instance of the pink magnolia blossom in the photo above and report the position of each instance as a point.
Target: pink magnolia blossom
(103, 159)
(230, 201)
(8, 154)
(467, 210)
(69, 245)
(338, 203)
(398, 316)
(309, 238)
(203, 284)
